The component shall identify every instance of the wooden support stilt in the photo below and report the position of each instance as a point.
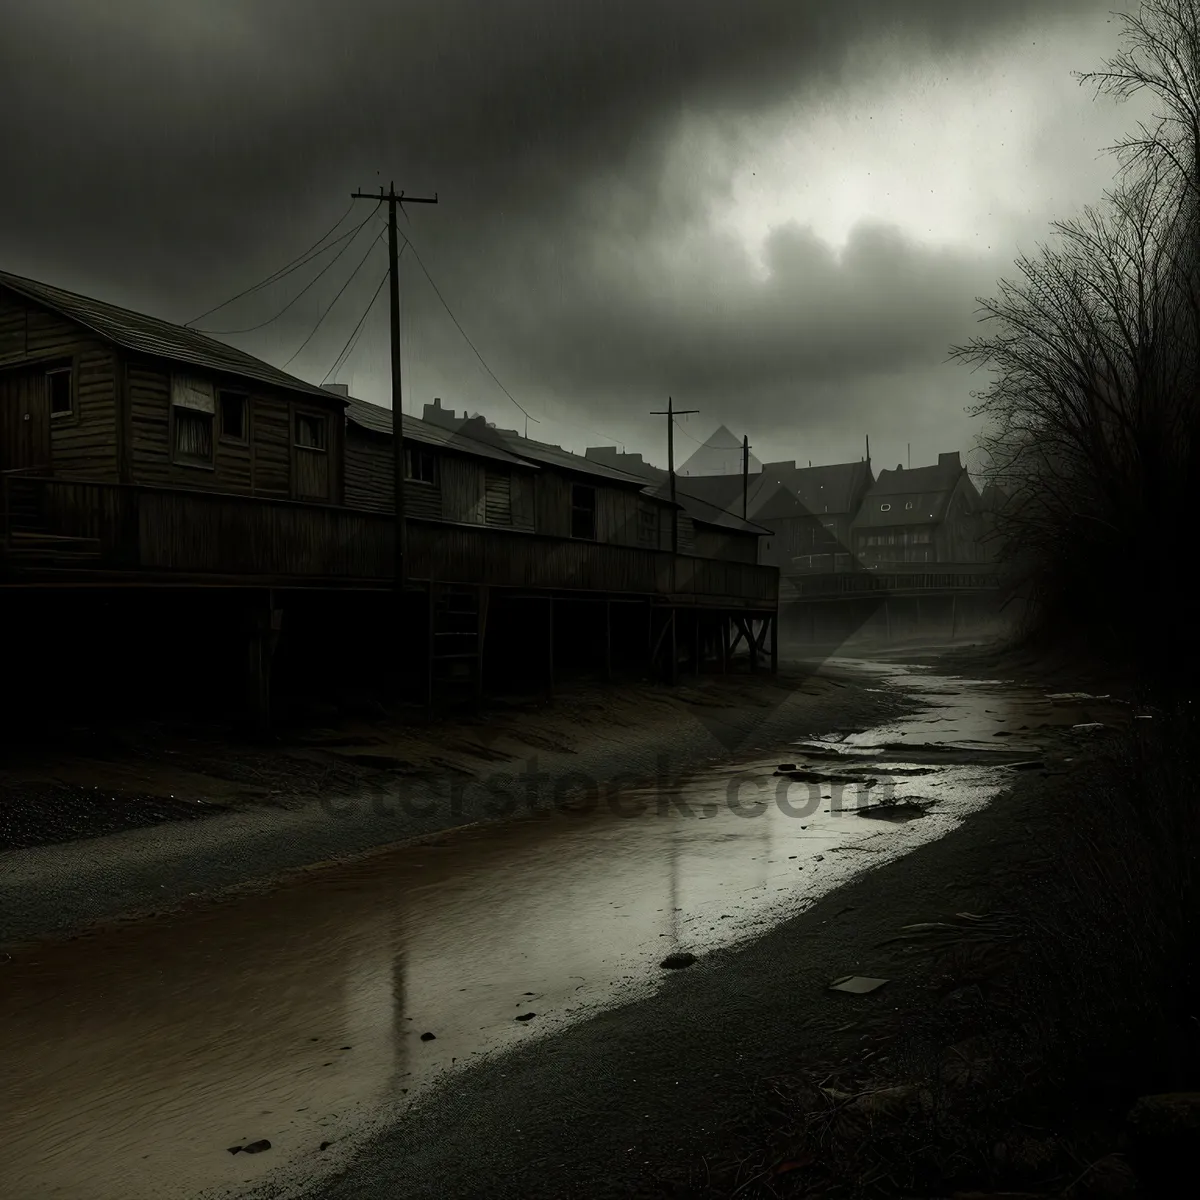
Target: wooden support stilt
(887, 620)
(696, 643)
(724, 631)
(953, 614)
(550, 647)
(430, 612)
(481, 636)
(774, 623)
(265, 625)
(608, 665)
(673, 676)
(754, 644)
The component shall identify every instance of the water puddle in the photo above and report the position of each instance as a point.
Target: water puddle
(136, 1057)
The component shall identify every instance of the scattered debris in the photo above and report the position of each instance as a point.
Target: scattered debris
(892, 809)
(324, 1145)
(526, 1016)
(1074, 697)
(1089, 726)
(257, 1147)
(856, 985)
(1032, 764)
(678, 960)
(428, 1037)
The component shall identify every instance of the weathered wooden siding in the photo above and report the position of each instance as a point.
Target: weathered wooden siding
(369, 470)
(616, 509)
(265, 463)
(171, 532)
(458, 493)
(83, 444)
(271, 447)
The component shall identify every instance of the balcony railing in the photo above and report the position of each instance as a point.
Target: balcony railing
(51, 526)
(898, 578)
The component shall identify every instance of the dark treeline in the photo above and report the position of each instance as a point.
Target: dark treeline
(1094, 352)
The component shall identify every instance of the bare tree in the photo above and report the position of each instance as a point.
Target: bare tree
(1090, 413)
(1161, 55)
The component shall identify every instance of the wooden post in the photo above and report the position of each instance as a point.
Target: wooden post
(887, 620)
(724, 629)
(608, 667)
(696, 642)
(481, 636)
(953, 613)
(673, 676)
(752, 638)
(774, 644)
(265, 624)
(430, 610)
(550, 647)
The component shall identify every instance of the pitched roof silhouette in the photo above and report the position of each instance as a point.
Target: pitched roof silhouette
(152, 336)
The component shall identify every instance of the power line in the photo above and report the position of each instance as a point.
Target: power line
(352, 235)
(293, 265)
(461, 330)
(321, 318)
(352, 340)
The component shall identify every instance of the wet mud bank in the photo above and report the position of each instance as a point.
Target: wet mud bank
(486, 1012)
(93, 828)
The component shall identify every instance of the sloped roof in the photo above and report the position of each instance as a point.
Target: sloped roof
(563, 460)
(378, 419)
(700, 510)
(833, 489)
(917, 496)
(477, 429)
(160, 339)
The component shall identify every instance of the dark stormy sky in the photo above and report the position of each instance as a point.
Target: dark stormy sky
(777, 211)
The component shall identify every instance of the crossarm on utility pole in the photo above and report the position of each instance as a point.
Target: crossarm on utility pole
(671, 413)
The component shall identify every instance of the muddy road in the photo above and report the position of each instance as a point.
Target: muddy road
(330, 1013)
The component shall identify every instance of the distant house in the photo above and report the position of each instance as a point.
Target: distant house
(809, 511)
(920, 515)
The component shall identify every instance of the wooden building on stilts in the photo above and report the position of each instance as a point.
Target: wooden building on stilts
(167, 498)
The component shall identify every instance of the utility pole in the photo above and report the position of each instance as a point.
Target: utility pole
(868, 449)
(745, 473)
(671, 413)
(392, 200)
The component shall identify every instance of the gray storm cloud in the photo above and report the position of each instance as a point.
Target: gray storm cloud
(169, 153)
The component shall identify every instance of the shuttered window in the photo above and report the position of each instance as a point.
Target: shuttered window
(497, 501)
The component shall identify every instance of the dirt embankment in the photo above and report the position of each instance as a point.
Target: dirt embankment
(105, 778)
(341, 789)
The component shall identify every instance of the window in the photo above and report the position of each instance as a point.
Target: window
(420, 465)
(583, 512)
(192, 407)
(59, 385)
(233, 417)
(885, 508)
(310, 432)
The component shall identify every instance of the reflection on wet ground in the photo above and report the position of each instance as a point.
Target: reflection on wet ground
(137, 1057)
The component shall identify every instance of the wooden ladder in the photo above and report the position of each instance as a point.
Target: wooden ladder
(457, 622)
